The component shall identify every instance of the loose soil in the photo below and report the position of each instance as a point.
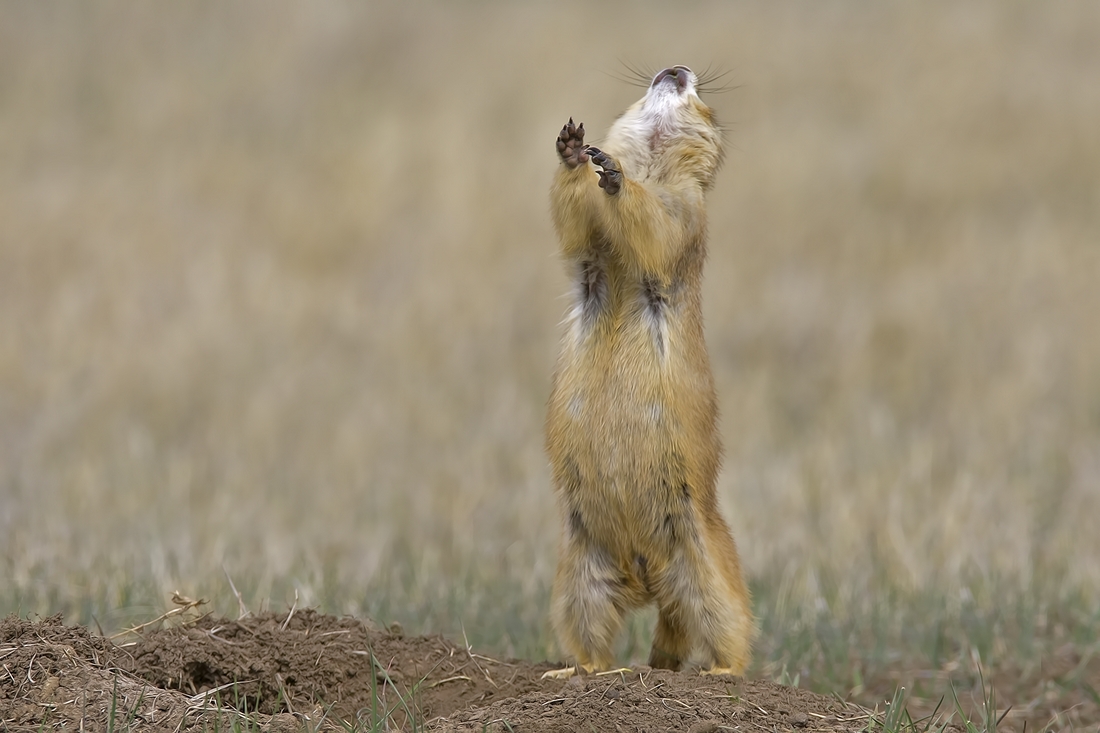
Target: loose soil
(308, 671)
(317, 672)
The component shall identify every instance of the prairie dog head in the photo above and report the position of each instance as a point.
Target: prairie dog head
(670, 132)
(670, 90)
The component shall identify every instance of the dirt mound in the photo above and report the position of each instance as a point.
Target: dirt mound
(655, 700)
(340, 665)
(317, 672)
(59, 677)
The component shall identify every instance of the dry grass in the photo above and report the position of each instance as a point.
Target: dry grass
(278, 293)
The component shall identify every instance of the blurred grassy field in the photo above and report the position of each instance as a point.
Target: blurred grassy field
(279, 298)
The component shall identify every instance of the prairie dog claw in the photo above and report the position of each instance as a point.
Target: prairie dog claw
(571, 147)
(611, 176)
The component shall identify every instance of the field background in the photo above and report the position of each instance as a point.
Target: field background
(279, 299)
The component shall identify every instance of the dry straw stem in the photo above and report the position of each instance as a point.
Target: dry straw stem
(292, 610)
(473, 658)
(242, 610)
(183, 605)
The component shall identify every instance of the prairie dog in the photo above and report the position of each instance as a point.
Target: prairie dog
(631, 428)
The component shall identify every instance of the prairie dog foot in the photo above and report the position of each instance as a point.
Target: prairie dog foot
(567, 672)
(559, 674)
(571, 145)
(611, 177)
(720, 671)
(620, 670)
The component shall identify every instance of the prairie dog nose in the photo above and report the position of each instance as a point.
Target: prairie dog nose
(680, 75)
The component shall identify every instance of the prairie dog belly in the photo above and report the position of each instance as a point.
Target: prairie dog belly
(626, 441)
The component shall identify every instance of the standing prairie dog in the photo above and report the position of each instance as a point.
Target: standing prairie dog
(631, 427)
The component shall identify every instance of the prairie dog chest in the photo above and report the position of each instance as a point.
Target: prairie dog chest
(620, 319)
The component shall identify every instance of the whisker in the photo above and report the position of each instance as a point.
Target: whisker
(639, 72)
(708, 81)
(709, 76)
(718, 90)
(632, 81)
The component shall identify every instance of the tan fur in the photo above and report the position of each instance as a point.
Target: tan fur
(632, 423)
